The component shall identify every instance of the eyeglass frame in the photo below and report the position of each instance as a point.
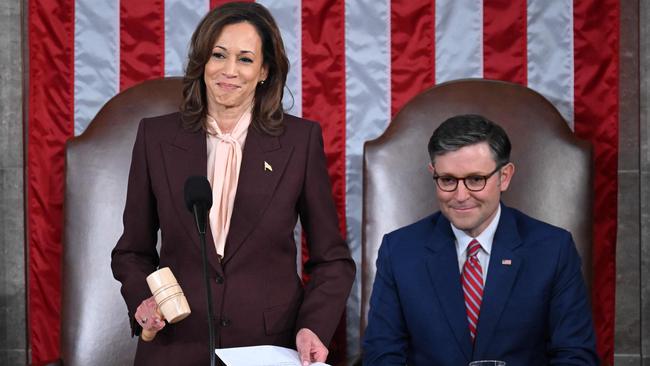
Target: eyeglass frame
(484, 177)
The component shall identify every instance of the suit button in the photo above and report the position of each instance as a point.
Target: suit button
(225, 322)
(219, 279)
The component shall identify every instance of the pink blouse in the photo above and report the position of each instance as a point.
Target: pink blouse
(224, 163)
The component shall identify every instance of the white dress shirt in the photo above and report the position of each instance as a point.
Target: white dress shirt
(485, 239)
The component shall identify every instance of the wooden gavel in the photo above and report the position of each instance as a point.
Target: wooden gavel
(169, 296)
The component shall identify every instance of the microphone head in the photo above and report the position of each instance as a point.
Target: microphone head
(198, 192)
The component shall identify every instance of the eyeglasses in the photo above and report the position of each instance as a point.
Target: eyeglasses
(473, 183)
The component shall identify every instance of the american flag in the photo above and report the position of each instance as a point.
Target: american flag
(354, 64)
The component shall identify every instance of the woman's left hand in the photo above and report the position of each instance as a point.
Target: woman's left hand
(149, 316)
(310, 348)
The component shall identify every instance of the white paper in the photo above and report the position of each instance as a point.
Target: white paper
(261, 356)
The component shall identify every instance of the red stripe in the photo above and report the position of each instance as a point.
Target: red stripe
(472, 281)
(142, 41)
(468, 302)
(323, 90)
(596, 47)
(504, 40)
(49, 125)
(215, 3)
(473, 290)
(476, 292)
(471, 276)
(412, 49)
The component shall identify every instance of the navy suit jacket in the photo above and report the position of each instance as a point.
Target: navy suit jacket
(535, 309)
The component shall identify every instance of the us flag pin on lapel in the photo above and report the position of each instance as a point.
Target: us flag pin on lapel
(506, 262)
(267, 167)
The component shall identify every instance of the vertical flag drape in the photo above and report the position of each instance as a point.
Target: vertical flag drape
(354, 64)
(50, 99)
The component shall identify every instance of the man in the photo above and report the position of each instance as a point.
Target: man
(477, 280)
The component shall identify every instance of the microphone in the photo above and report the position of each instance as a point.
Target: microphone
(198, 199)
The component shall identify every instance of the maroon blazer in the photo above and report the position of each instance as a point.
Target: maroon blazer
(258, 297)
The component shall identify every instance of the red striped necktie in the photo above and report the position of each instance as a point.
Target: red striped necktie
(472, 279)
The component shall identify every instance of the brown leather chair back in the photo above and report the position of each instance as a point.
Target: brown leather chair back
(552, 180)
(95, 329)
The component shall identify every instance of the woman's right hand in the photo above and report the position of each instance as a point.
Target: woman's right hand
(149, 317)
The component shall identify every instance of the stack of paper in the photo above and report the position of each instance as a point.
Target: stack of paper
(261, 356)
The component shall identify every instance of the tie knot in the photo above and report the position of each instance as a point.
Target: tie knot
(473, 248)
(227, 138)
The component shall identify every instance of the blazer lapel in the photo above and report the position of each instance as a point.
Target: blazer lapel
(444, 273)
(184, 157)
(263, 163)
(503, 269)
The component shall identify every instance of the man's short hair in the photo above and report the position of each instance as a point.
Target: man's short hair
(469, 129)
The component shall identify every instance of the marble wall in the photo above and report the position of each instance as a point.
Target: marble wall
(644, 181)
(632, 343)
(13, 337)
(628, 259)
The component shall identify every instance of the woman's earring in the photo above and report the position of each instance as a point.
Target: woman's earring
(262, 82)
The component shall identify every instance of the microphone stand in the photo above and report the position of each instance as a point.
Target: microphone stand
(207, 285)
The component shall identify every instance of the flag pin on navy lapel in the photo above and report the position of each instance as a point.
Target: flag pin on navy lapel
(506, 262)
(267, 167)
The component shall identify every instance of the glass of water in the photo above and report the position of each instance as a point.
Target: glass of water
(487, 363)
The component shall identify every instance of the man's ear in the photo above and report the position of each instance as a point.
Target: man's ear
(505, 176)
(430, 168)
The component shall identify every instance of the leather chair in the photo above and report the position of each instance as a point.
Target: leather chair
(95, 328)
(552, 181)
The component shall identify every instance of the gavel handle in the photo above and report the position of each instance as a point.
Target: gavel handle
(147, 335)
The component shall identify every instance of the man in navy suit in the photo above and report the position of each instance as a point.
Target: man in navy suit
(477, 280)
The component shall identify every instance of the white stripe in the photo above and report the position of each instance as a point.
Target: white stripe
(459, 39)
(470, 310)
(181, 18)
(550, 52)
(472, 280)
(96, 58)
(367, 69)
(469, 318)
(469, 291)
(288, 15)
(473, 291)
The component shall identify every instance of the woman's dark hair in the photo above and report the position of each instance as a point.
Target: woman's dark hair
(469, 129)
(267, 114)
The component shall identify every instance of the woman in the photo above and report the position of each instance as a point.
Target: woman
(266, 169)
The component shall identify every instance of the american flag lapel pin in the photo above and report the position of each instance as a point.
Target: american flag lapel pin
(506, 262)
(267, 167)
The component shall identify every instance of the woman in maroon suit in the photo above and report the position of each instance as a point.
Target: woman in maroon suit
(266, 169)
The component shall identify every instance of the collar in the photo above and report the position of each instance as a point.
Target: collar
(485, 238)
